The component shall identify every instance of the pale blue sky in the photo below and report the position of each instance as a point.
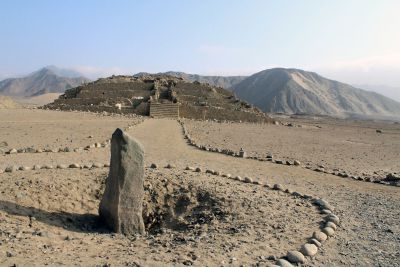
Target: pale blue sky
(356, 41)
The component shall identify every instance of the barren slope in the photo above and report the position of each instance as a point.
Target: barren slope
(297, 91)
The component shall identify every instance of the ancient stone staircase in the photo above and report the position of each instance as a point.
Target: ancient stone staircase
(164, 110)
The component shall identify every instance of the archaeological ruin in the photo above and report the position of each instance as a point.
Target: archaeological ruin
(158, 96)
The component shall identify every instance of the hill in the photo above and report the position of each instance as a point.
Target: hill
(45, 80)
(294, 91)
(226, 82)
(135, 94)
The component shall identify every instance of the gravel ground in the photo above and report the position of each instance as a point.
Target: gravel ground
(356, 148)
(50, 216)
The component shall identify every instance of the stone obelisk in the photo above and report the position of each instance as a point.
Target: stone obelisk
(121, 205)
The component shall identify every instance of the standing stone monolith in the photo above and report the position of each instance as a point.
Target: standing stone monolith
(121, 205)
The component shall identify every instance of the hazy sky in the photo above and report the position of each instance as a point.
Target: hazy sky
(355, 41)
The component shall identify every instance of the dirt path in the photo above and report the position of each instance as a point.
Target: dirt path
(370, 233)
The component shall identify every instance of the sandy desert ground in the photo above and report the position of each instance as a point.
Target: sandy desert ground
(48, 216)
(338, 145)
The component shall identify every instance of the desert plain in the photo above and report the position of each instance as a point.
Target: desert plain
(49, 195)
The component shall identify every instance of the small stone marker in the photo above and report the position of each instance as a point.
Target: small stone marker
(242, 153)
(121, 205)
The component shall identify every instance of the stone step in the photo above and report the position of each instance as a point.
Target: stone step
(168, 110)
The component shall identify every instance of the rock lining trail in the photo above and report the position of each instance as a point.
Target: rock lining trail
(370, 234)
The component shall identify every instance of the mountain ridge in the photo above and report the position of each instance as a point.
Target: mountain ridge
(295, 91)
(45, 80)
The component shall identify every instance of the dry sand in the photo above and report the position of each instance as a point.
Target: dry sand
(335, 144)
(50, 216)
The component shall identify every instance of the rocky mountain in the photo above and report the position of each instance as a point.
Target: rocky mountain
(389, 91)
(226, 82)
(46, 80)
(295, 91)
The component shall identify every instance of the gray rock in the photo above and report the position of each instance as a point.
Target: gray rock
(295, 257)
(198, 169)
(87, 166)
(13, 151)
(242, 153)
(24, 168)
(61, 166)
(11, 168)
(326, 212)
(315, 242)
(328, 231)
(248, 180)
(297, 163)
(320, 236)
(36, 167)
(284, 263)
(238, 178)
(170, 166)
(74, 166)
(30, 150)
(121, 205)
(278, 187)
(393, 177)
(331, 225)
(309, 249)
(153, 166)
(97, 165)
(323, 204)
(189, 168)
(297, 194)
(333, 218)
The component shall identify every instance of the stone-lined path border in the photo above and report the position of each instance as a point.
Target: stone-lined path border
(330, 225)
(104, 144)
(74, 165)
(331, 222)
(242, 153)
